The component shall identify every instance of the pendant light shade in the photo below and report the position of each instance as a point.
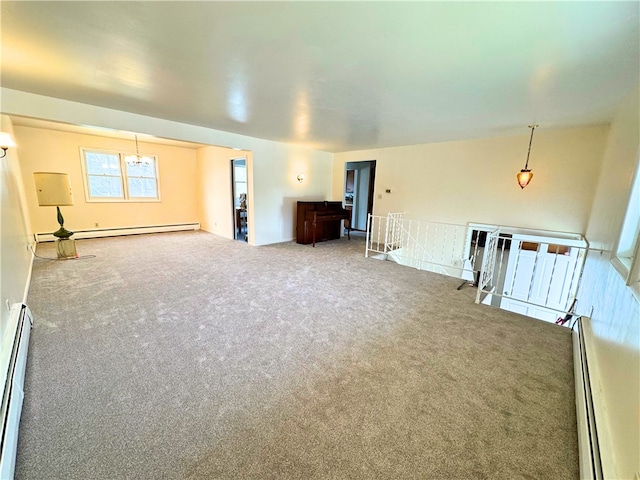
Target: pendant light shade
(525, 175)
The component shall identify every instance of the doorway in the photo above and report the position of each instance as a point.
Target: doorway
(359, 191)
(239, 200)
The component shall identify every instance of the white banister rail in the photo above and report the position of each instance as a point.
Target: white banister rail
(532, 272)
(488, 265)
(535, 275)
(432, 246)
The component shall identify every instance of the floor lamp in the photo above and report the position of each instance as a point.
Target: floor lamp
(54, 190)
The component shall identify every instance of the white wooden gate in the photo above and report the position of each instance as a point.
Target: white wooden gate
(541, 278)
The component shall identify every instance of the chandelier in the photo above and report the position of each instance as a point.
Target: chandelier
(138, 159)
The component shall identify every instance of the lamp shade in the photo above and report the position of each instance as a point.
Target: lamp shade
(6, 141)
(53, 189)
(524, 177)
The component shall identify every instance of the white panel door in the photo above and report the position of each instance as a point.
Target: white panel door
(518, 279)
(538, 277)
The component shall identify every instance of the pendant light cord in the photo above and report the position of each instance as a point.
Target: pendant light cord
(533, 128)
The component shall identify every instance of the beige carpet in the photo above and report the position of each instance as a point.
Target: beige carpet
(185, 355)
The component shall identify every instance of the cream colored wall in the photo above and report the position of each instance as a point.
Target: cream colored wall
(273, 169)
(44, 150)
(616, 310)
(277, 191)
(475, 180)
(272, 192)
(214, 189)
(273, 189)
(15, 238)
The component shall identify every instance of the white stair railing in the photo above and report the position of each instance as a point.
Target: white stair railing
(433, 246)
(535, 275)
(486, 280)
(532, 272)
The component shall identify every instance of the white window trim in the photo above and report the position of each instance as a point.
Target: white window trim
(629, 267)
(123, 178)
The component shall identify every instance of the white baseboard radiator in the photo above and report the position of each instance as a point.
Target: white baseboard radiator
(116, 232)
(15, 362)
(595, 459)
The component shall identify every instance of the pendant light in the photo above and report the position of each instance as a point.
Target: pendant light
(525, 175)
(137, 159)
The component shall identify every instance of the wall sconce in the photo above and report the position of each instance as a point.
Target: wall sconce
(525, 175)
(300, 177)
(5, 142)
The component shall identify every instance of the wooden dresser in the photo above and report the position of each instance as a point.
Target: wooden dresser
(319, 221)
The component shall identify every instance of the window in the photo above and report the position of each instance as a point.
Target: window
(627, 249)
(109, 178)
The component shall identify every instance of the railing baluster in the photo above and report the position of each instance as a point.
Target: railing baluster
(533, 275)
(453, 249)
(504, 242)
(553, 269)
(515, 266)
(577, 265)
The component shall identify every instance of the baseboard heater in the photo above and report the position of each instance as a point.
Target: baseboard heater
(115, 232)
(13, 394)
(588, 404)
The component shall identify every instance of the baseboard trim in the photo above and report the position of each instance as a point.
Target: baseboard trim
(13, 391)
(597, 460)
(116, 232)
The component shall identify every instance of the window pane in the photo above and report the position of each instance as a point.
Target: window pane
(240, 173)
(102, 163)
(142, 187)
(142, 170)
(631, 224)
(106, 187)
(241, 187)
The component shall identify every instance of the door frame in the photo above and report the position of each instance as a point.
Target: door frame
(233, 195)
(370, 189)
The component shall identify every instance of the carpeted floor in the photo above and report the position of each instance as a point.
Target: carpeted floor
(186, 355)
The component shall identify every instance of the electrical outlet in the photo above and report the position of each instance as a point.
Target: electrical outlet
(97, 224)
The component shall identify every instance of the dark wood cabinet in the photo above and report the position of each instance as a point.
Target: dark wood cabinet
(319, 221)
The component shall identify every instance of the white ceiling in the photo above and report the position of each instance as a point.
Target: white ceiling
(335, 76)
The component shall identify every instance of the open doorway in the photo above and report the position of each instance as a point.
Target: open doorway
(239, 201)
(358, 192)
